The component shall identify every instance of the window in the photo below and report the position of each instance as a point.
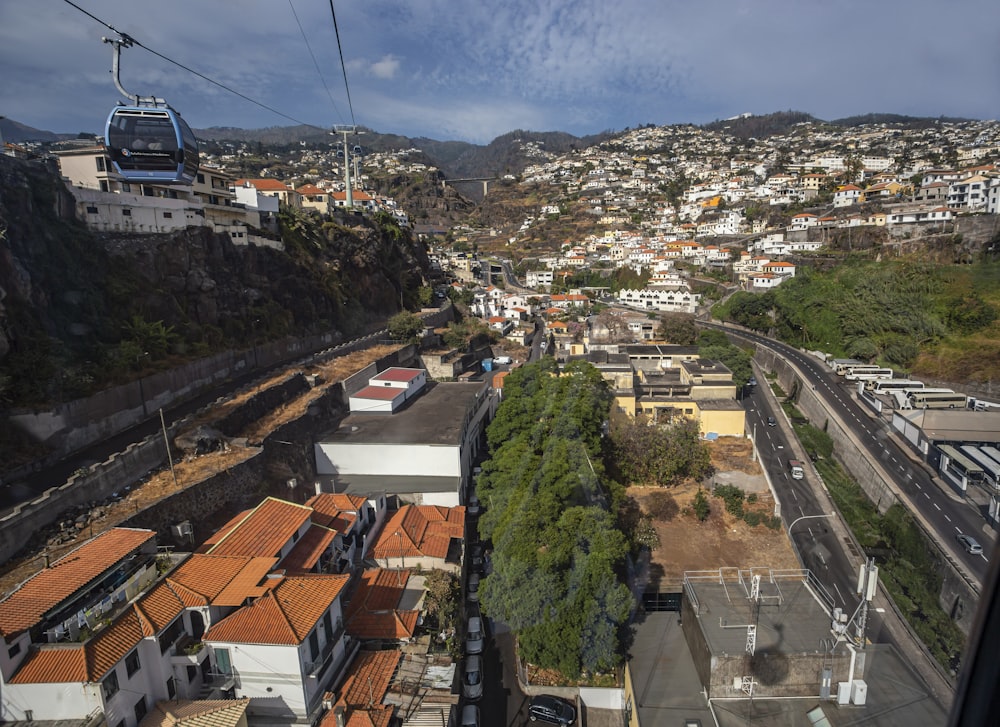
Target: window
(140, 709)
(132, 663)
(14, 650)
(100, 164)
(201, 179)
(313, 645)
(171, 688)
(104, 186)
(91, 210)
(126, 213)
(110, 685)
(168, 215)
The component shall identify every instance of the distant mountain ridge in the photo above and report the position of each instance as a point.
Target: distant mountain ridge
(746, 126)
(509, 153)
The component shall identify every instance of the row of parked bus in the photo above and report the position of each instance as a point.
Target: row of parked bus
(905, 393)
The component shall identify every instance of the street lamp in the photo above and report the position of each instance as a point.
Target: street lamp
(805, 517)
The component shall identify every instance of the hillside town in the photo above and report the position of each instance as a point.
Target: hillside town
(357, 602)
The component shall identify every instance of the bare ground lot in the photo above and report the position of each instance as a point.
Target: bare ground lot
(722, 540)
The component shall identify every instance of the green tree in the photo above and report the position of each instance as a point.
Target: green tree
(406, 327)
(677, 328)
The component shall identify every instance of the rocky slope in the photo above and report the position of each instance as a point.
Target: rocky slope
(79, 311)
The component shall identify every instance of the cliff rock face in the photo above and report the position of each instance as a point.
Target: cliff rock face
(80, 310)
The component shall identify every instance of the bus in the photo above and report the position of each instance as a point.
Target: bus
(961, 464)
(930, 400)
(990, 466)
(882, 386)
(866, 373)
(841, 365)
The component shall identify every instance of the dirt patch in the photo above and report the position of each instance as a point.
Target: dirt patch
(686, 544)
(723, 540)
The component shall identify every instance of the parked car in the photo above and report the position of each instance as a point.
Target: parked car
(970, 544)
(473, 587)
(473, 508)
(474, 636)
(470, 716)
(476, 558)
(472, 681)
(546, 708)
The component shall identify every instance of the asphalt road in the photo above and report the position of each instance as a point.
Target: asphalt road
(945, 511)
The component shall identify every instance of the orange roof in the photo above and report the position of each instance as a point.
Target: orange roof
(422, 530)
(26, 606)
(306, 554)
(197, 713)
(558, 324)
(498, 378)
(264, 185)
(337, 511)
(89, 662)
(219, 580)
(264, 531)
(372, 612)
(357, 195)
(368, 678)
(284, 615)
(310, 189)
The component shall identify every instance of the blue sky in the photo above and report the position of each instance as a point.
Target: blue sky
(472, 70)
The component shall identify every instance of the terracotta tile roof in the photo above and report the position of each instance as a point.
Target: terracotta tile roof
(113, 643)
(87, 662)
(264, 531)
(71, 573)
(201, 713)
(161, 606)
(220, 580)
(372, 612)
(310, 189)
(330, 501)
(222, 532)
(368, 678)
(337, 511)
(308, 551)
(284, 615)
(54, 664)
(423, 530)
(264, 185)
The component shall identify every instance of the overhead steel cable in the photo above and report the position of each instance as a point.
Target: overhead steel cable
(340, 49)
(313, 56)
(133, 41)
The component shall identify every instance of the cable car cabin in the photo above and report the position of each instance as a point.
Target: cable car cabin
(151, 144)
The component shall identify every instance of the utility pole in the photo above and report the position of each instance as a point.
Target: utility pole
(346, 129)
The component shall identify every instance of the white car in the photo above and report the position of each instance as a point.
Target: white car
(474, 636)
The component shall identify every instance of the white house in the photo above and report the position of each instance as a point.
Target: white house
(675, 300)
(846, 195)
(284, 648)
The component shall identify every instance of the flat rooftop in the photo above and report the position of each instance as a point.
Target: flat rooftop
(896, 696)
(436, 417)
(790, 620)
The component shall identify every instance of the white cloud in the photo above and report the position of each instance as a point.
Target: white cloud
(386, 67)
